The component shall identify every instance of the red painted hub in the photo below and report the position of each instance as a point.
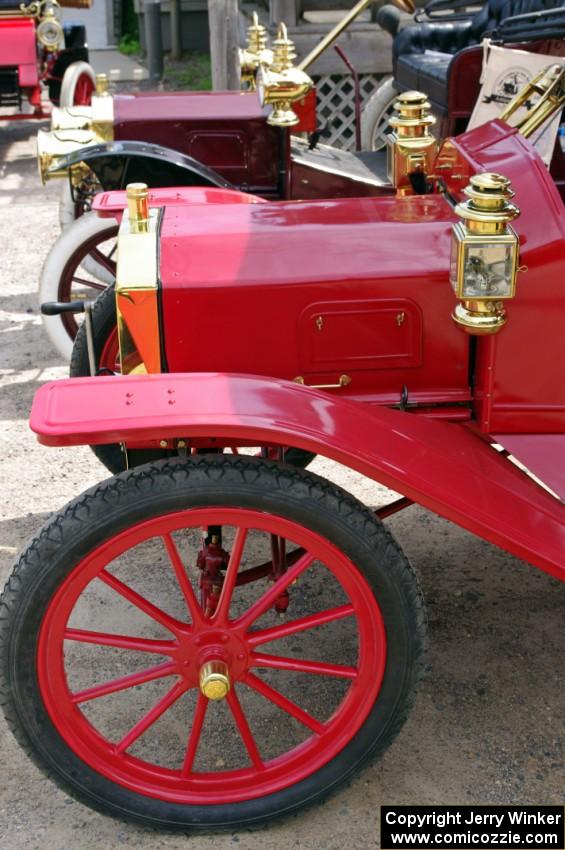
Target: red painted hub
(194, 640)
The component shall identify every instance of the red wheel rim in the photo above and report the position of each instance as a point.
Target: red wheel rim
(198, 639)
(83, 91)
(71, 278)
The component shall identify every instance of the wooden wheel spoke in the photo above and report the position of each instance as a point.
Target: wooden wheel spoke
(301, 665)
(222, 611)
(284, 703)
(160, 647)
(268, 598)
(151, 717)
(104, 260)
(244, 730)
(140, 601)
(293, 626)
(184, 583)
(160, 671)
(92, 284)
(195, 734)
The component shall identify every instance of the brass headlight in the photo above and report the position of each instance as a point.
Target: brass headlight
(484, 254)
(49, 33)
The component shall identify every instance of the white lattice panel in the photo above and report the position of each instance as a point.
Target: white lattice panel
(336, 106)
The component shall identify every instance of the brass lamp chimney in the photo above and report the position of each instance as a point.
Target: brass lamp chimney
(411, 148)
(282, 84)
(255, 54)
(484, 254)
(102, 85)
(138, 207)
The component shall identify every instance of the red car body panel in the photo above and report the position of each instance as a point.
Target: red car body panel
(226, 130)
(18, 48)
(385, 324)
(445, 467)
(112, 204)
(542, 454)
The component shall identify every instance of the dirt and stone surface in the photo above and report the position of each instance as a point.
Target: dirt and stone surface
(488, 723)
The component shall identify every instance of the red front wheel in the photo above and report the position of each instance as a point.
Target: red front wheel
(142, 698)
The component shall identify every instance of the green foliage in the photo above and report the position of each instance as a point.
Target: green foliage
(192, 73)
(128, 45)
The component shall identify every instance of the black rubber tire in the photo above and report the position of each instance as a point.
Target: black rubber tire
(111, 455)
(134, 496)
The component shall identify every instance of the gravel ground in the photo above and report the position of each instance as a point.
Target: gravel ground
(488, 722)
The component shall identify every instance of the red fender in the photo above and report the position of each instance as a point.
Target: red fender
(112, 204)
(444, 466)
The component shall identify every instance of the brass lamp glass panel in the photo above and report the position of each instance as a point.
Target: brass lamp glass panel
(483, 268)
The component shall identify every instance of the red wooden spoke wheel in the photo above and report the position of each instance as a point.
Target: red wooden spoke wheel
(199, 644)
(80, 265)
(77, 282)
(220, 721)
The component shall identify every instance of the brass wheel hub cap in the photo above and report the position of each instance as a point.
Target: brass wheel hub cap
(215, 680)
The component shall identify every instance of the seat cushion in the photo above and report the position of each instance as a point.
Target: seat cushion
(426, 72)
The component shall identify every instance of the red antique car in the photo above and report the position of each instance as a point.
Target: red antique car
(37, 51)
(221, 139)
(215, 638)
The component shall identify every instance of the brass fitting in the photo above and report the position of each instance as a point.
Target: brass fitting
(484, 260)
(282, 84)
(102, 85)
(215, 680)
(256, 52)
(411, 148)
(549, 87)
(138, 207)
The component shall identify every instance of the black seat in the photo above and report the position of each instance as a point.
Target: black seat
(414, 68)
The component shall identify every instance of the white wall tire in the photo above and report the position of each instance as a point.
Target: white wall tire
(67, 217)
(375, 117)
(77, 80)
(67, 211)
(70, 251)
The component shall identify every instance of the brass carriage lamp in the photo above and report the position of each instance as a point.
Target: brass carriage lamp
(411, 148)
(282, 84)
(256, 52)
(49, 31)
(484, 254)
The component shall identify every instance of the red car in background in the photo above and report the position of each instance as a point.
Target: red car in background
(37, 52)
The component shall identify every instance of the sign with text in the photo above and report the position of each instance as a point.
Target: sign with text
(476, 827)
